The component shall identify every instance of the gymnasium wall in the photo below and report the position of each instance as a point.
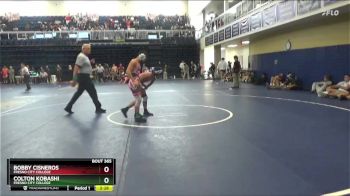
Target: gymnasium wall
(317, 48)
(318, 34)
(103, 8)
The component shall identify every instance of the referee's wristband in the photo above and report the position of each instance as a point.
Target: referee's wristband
(75, 78)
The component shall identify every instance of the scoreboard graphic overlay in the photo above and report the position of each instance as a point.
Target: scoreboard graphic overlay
(97, 174)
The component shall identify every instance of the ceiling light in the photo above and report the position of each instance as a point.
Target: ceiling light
(232, 45)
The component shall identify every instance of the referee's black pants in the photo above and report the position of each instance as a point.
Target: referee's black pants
(85, 83)
(26, 79)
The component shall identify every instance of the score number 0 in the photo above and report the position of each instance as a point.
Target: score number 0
(106, 170)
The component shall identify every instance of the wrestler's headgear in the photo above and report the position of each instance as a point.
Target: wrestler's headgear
(142, 57)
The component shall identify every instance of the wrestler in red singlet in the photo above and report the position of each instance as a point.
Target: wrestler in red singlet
(138, 88)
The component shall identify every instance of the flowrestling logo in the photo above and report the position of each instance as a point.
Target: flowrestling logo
(331, 13)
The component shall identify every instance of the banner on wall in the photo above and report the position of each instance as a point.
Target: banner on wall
(235, 29)
(228, 32)
(206, 41)
(12, 16)
(221, 35)
(269, 16)
(255, 21)
(210, 39)
(305, 6)
(286, 10)
(216, 37)
(244, 25)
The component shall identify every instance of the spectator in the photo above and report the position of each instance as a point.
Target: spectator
(212, 71)
(68, 19)
(121, 71)
(114, 71)
(291, 82)
(182, 67)
(5, 74)
(320, 87)
(186, 72)
(12, 75)
(247, 76)
(59, 73)
(222, 67)
(276, 81)
(106, 72)
(100, 70)
(199, 70)
(340, 90)
(193, 70)
(43, 75)
(48, 71)
(236, 71)
(165, 72)
(92, 22)
(229, 66)
(1, 80)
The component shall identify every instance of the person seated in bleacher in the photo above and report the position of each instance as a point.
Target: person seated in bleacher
(320, 87)
(247, 76)
(276, 81)
(340, 90)
(228, 77)
(291, 82)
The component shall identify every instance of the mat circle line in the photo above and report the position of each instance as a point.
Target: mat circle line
(175, 126)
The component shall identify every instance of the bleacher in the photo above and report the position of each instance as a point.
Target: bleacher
(20, 41)
(49, 23)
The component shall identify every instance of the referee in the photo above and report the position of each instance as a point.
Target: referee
(26, 75)
(81, 74)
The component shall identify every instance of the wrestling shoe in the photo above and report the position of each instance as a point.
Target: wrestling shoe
(100, 111)
(125, 112)
(139, 118)
(146, 113)
(69, 110)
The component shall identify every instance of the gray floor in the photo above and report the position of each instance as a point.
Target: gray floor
(203, 140)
